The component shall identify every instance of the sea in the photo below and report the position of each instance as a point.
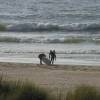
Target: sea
(70, 27)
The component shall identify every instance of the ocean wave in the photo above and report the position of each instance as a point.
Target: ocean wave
(44, 39)
(31, 27)
(59, 53)
(7, 39)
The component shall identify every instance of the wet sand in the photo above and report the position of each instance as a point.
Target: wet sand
(53, 77)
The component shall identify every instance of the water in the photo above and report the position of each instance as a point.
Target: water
(71, 27)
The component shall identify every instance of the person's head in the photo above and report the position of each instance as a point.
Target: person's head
(54, 51)
(50, 50)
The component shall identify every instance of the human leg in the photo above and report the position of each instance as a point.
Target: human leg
(40, 61)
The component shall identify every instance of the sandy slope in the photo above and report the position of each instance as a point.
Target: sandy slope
(55, 77)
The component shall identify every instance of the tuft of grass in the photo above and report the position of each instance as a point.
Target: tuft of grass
(22, 91)
(25, 91)
(83, 92)
(31, 92)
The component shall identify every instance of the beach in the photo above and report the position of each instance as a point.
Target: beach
(52, 77)
(70, 27)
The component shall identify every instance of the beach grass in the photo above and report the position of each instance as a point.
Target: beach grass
(11, 90)
(22, 91)
(84, 92)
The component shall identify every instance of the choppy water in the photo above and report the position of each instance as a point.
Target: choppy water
(71, 27)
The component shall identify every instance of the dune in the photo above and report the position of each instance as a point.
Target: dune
(53, 77)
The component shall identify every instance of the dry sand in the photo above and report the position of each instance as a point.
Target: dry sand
(55, 77)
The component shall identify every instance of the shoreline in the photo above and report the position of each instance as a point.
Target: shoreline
(57, 62)
(55, 77)
(67, 67)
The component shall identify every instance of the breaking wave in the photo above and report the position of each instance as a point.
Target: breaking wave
(59, 53)
(16, 39)
(30, 27)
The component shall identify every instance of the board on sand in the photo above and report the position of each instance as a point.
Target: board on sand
(46, 61)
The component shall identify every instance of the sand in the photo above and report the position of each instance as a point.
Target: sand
(55, 77)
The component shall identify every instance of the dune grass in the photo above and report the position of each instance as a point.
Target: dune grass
(25, 91)
(84, 92)
(22, 91)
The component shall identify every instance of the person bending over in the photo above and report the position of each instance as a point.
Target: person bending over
(41, 56)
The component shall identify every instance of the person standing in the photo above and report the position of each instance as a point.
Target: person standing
(52, 56)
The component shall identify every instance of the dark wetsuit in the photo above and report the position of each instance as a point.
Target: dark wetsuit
(52, 56)
(41, 57)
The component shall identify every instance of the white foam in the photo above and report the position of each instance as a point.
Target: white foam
(58, 61)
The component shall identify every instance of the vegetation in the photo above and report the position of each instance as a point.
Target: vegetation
(25, 91)
(21, 91)
(84, 92)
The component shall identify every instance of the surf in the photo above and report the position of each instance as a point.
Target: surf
(31, 27)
